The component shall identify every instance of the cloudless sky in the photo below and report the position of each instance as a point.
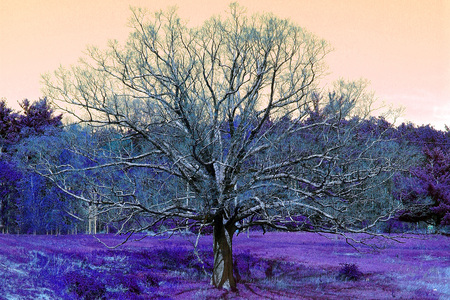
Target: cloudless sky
(401, 46)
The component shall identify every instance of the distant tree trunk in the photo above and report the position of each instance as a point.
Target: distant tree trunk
(92, 225)
(222, 276)
(2, 213)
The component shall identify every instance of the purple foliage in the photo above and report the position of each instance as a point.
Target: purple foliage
(421, 136)
(8, 124)
(37, 117)
(10, 190)
(394, 225)
(27, 201)
(427, 193)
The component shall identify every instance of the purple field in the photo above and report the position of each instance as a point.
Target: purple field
(270, 266)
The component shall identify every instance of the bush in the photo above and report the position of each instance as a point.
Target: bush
(349, 272)
(85, 287)
(396, 226)
(152, 279)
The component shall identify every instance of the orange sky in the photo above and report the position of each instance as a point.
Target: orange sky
(402, 47)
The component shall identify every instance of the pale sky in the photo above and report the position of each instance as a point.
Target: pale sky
(401, 47)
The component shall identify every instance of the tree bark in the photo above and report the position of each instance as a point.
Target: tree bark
(222, 276)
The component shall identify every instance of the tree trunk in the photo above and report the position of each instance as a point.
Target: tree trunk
(222, 276)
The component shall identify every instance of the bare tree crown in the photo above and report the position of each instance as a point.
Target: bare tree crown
(225, 111)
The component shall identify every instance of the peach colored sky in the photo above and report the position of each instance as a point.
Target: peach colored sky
(401, 46)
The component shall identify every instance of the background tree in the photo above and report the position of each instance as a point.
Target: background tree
(9, 193)
(426, 193)
(211, 127)
(25, 198)
(421, 185)
(8, 129)
(36, 118)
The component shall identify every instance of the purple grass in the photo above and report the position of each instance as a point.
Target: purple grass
(274, 265)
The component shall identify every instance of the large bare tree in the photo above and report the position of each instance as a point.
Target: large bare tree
(228, 111)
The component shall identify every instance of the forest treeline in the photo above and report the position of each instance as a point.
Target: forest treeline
(31, 203)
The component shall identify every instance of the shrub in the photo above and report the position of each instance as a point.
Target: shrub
(395, 226)
(129, 282)
(152, 279)
(85, 287)
(349, 272)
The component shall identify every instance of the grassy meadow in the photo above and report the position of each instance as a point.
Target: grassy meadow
(270, 266)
